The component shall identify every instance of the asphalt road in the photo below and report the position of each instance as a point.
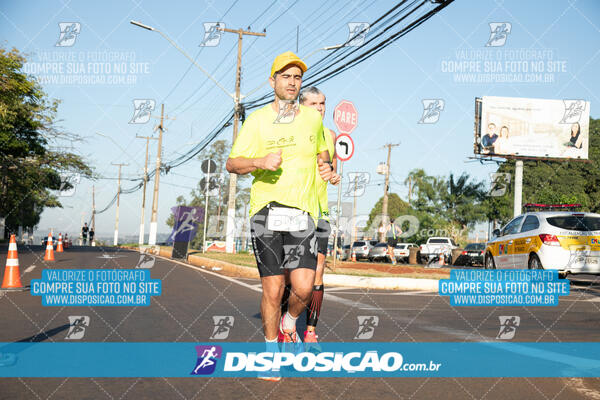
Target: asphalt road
(192, 296)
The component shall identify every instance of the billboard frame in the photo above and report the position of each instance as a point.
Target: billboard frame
(518, 181)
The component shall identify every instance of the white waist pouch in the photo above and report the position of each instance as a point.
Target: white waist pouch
(283, 219)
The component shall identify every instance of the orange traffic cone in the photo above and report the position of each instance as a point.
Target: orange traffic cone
(353, 255)
(59, 247)
(12, 275)
(49, 255)
(442, 257)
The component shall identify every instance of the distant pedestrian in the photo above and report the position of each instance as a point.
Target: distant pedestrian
(91, 234)
(84, 233)
(393, 232)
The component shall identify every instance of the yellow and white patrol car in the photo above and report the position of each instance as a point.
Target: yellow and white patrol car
(565, 241)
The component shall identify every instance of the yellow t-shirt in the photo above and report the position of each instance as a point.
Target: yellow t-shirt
(321, 184)
(294, 183)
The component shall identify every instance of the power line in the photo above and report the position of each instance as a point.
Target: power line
(326, 72)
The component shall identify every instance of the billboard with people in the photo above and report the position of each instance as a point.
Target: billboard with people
(513, 126)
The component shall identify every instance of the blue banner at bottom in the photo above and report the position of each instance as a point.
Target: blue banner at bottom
(351, 359)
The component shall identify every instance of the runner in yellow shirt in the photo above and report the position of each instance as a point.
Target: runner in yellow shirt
(279, 144)
(314, 98)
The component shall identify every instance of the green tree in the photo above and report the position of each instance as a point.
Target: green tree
(29, 170)
(396, 207)
(427, 191)
(462, 201)
(442, 206)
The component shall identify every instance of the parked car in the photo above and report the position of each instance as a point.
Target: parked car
(560, 240)
(435, 246)
(472, 255)
(361, 248)
(378, 252)
(346, 253)
(402, 251)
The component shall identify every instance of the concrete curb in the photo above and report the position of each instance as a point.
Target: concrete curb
(238, 271)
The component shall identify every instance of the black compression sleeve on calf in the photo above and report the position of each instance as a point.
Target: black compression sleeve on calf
(314, 308)
(285, 298)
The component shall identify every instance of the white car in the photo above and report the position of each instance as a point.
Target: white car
(436, 246)
(565, 241)
(402, 251)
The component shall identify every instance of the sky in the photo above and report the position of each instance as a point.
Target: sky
(111, 63)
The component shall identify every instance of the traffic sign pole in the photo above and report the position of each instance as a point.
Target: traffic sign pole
(345, 118)
(337, 217)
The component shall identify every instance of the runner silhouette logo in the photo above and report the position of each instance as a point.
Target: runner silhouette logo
(223, 325)
(207, 359)
(508, 327)
(146, 261)
(366, 326)
(77, 325)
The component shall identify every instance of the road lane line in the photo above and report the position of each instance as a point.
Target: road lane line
(578, 384)
(29, 269)
(411, 293)
(227, 278)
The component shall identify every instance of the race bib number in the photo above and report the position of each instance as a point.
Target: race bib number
(283, 219)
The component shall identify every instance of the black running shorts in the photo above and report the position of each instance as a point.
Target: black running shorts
(323, 232)
(276, 251)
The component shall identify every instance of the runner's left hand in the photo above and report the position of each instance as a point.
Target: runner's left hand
(324, 170)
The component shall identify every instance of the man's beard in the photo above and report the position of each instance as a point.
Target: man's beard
(284, 95)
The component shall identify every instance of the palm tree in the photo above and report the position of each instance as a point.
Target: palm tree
(462, 200)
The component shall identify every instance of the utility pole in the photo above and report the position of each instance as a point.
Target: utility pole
(153, 223)
(206, 187)
(354, 211)
(93, 242)
(220, 198)
(94, 208)
(116, 239)
(384, 207)
(229, 242)
(148, 138)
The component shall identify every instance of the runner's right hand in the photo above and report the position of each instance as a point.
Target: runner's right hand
(271, 161)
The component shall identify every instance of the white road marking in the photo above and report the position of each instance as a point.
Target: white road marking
(338, 289)
(578, 385)
(411, 293)
(227, 278)
(29, 269)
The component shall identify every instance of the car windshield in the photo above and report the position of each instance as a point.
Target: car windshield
(401, 246)
(475, 246)
(347, 246)
(575, 222)
(356, 244)
(444, 241)
(381, 245)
